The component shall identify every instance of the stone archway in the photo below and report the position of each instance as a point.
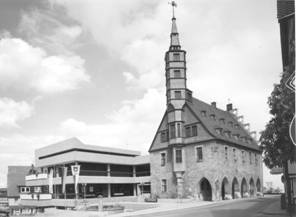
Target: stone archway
(225, 189)
(252, 188)
(244, 188)
(258, 186)
(235, 188)
(205, 189)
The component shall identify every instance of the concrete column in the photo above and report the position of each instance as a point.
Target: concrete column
(135, 189)
(138, 189)
(134, 171)
(108, 170)
(109, 190)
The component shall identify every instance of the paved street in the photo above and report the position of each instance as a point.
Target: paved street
(261, 207)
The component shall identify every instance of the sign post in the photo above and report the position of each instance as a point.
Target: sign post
(75, 172)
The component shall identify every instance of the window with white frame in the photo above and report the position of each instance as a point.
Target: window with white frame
(25, 189)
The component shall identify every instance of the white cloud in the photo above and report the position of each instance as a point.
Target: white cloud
(12, 112)
(24, 67)
(132, 126)
(19, 150)
(131, 30)
(43, 28)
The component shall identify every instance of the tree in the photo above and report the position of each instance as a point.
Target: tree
(275, 140)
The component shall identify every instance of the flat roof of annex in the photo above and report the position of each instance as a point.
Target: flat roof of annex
(74, 150)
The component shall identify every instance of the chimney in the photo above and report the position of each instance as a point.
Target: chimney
(229, 107)
(214, 104)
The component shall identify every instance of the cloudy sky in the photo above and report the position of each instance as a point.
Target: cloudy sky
(95, 69)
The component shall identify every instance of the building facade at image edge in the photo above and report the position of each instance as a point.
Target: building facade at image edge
(200, 150)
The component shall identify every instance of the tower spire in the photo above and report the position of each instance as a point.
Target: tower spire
(174, 4)
(175, 44)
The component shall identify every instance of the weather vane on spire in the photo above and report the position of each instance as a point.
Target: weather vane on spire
(174, 4)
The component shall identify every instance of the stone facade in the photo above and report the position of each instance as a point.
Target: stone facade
(215, 167)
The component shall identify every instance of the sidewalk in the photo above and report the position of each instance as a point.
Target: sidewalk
(165, 207)
(274, 210)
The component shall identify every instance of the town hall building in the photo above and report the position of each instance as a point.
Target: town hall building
(200, 150)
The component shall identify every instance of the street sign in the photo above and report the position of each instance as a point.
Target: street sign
(75, 170)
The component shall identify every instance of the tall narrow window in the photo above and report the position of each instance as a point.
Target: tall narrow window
(178, 130)
(194, 130)
(178, 94)
(178, 156)
(226, 153)
(243, 157)
(187, 131)
(198, 154)
(177, 73)
(213, 117)
(176, 57)
(172, 131)
(256, 159)
(250, 156)
(164, 136)
(163, 185)
(162, 159)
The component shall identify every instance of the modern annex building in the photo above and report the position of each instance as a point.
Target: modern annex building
(102, 171)
(200, 150)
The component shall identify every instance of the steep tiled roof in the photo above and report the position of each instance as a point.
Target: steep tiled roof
(216, 120)
(285, 8)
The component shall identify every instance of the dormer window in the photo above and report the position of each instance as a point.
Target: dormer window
(227, 133)
(230, 123)
(222, 121)
(213, 117)
(176, 57)
(236, 136)
(177, 74)
(218, 131)
(203, 113)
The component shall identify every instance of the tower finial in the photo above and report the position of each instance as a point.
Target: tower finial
(174, 4)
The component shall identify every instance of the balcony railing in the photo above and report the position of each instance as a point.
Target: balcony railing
(37, 176)
(112, 173)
